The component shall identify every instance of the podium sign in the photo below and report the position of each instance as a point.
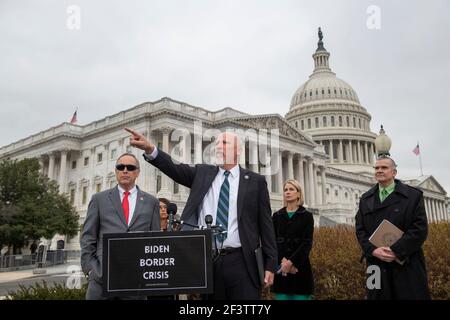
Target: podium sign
(157, 263)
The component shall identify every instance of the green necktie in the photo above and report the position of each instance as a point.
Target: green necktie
(384, 194)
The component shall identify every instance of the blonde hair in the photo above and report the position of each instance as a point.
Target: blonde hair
(296, 185)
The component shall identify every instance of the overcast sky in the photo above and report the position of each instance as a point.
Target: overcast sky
(248, 55)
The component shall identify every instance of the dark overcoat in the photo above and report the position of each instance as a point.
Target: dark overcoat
(294, 241)
(404, 207)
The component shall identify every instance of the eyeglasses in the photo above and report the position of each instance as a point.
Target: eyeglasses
(130, 167)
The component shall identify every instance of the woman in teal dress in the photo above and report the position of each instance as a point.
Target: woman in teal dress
(294, 228)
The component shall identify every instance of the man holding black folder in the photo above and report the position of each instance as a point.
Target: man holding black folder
(402, 264)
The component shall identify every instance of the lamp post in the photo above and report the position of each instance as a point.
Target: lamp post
(383, 144)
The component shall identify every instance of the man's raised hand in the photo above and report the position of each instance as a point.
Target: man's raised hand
(139, 141)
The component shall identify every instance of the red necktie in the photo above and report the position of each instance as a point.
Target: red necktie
(126, 205)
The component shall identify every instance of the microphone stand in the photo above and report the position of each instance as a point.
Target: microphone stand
(170, 224)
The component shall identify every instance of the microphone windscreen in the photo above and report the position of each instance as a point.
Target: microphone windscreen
(208, 219)
(172, 208)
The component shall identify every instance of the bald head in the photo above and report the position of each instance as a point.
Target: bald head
(227, 150)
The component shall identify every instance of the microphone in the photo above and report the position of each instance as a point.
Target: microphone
(171, 210)
(208, 221)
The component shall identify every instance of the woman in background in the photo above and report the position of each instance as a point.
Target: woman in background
(163, 215)
(294, 228)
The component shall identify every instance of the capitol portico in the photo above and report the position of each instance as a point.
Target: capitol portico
(324, 142)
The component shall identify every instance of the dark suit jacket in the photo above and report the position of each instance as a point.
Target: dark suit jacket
(105, 215)
(253, 207)
(405, 209)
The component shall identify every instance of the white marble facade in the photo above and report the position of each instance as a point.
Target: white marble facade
(324, 141)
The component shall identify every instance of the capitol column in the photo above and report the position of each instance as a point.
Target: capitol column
(433, 210)
(430, 206)
(443, 210)
(311, 182)
(331, 151)
(290, 161)
(341, 152)
(360, 159)
(279, 177)
(324, 185)
(253, 155)
(51, 165)
(267, 167)
(150, 170)
(242, 159)
(350, 148)
(316, 185)
(371, 153)
(306, 184)
(198, 149)
(62, 171)
(165, 183)
(427, 209)
(436, 205)
(301, 177)
(366, 152)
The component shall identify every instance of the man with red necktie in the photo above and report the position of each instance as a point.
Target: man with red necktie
(121, 209)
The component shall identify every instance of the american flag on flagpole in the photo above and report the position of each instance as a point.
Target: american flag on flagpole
(416, 150)
(74, 117)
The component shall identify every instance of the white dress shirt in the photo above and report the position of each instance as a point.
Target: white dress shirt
(211, 201)
(132, 198)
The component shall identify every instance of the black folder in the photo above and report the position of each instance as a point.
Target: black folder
(260, 264)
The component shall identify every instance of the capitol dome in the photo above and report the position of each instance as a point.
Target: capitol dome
(323, 86)
(328, 109)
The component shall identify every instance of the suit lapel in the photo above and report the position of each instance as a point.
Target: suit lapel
(114, 196)
(244, 180)
(138, 207)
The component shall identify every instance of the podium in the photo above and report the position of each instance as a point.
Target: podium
(157, 263)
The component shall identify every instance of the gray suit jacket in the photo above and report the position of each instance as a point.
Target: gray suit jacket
(105, 215)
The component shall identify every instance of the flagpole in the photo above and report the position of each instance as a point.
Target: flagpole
(420, 160)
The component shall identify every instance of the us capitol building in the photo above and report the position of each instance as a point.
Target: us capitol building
(325, 142)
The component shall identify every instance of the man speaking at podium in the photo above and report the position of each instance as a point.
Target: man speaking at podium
(237, 199)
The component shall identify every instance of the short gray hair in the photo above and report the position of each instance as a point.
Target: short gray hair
(394, 165)
(130, 155)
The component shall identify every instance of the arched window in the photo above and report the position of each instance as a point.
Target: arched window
(302, 123)
(309, 123)
(340, 121)
(332, 121)
(324, 121)
(317, 122)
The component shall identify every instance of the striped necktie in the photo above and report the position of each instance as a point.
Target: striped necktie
(223, 206)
